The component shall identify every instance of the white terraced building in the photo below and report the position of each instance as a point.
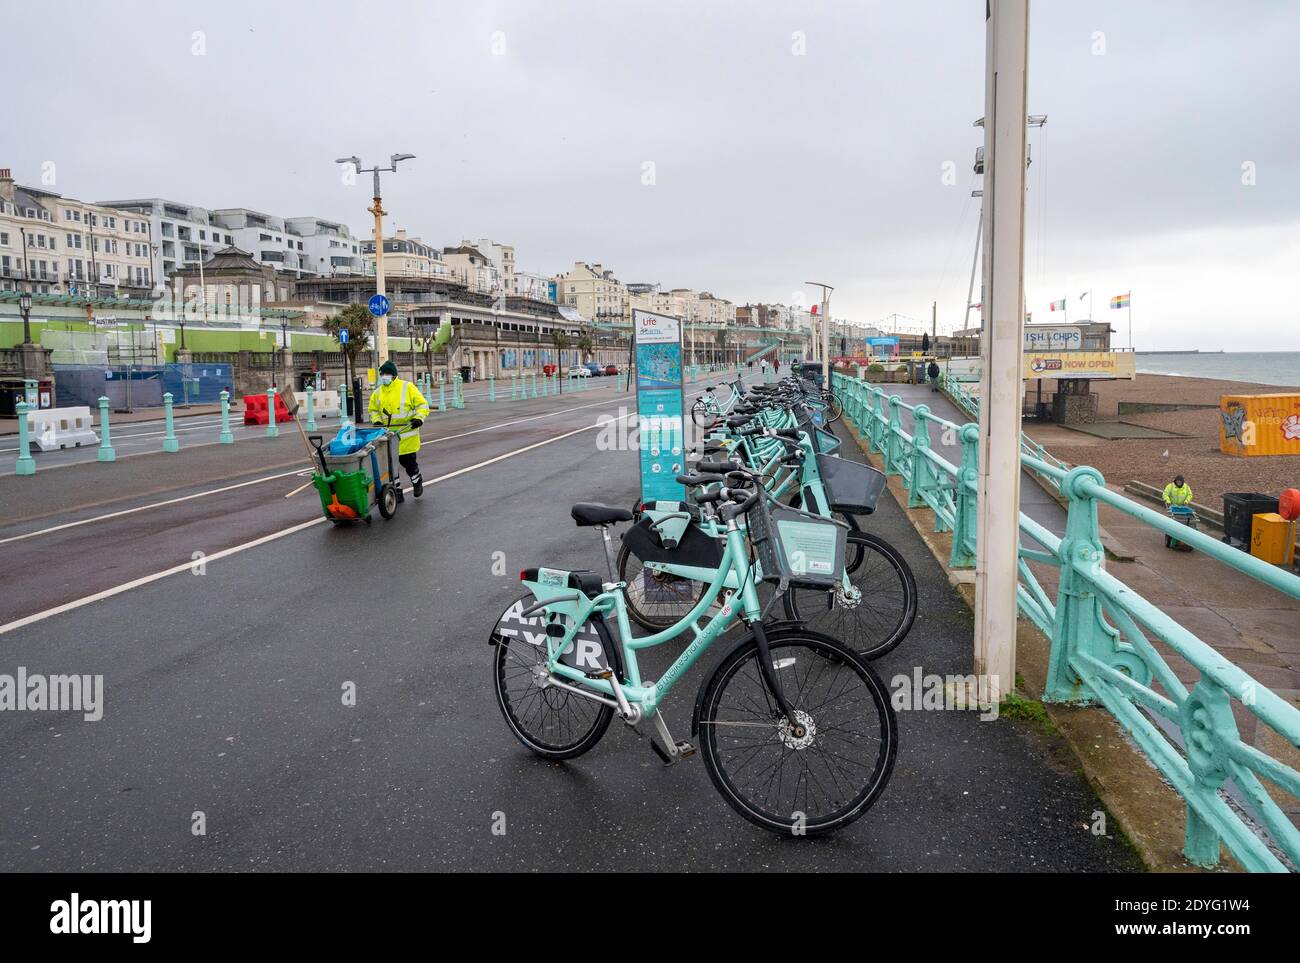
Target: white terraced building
(181, 235)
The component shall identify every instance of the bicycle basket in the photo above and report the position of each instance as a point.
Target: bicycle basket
(850, 486)
(795, 547)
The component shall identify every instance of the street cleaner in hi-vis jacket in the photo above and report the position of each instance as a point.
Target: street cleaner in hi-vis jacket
(408, 408)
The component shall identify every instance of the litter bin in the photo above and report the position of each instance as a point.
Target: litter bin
(1239, 510)
(812, 371)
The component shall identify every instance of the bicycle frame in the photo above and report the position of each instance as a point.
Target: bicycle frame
(580, 609)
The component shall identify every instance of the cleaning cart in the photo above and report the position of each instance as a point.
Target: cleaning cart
(1184, 514)
(358, 472)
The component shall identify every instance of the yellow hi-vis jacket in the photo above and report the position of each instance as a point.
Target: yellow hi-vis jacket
(1178, 496)
(403, 401)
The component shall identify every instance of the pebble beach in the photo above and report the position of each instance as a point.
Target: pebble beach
(1195, 453)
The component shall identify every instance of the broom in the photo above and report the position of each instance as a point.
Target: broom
(290, 401)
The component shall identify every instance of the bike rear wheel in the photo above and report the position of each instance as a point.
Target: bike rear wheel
(834, 407)
(791, 782)
(655, 600)
(875, 608)
(551, 721)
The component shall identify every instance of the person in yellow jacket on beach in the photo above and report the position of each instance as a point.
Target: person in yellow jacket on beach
(408, 408)
(1178, 492)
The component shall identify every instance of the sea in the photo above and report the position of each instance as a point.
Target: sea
(1262, 367)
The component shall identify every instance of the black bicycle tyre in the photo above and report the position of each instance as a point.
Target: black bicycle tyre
(867, 545)
(834, 654)
(601, 719)
(634, 610)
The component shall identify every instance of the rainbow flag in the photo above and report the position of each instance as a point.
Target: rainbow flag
(1058, 305)
(1119, 301)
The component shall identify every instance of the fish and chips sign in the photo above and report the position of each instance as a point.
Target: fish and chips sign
(1080, 364)
(1053, 337)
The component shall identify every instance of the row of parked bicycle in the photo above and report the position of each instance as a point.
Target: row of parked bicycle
(794, 725)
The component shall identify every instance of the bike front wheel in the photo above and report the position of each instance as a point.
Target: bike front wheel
(813, 777)
(873, 608)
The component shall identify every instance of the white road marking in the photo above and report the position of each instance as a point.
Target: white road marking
(143, 508)
(291, 530)
(256, 481)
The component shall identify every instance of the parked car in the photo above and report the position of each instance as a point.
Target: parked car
(578, 371)
(594, 369)
(611, 369)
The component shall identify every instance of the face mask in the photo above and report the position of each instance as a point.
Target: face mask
(386, 379)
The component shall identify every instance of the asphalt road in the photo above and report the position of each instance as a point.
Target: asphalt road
(146, 437)
(223, 696)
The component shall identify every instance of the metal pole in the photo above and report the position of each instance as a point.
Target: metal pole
(381, 322)
(106, 452)
(26, 465)
(998, 533)
(975, 259)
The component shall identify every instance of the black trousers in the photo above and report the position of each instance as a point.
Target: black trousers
(410, 466)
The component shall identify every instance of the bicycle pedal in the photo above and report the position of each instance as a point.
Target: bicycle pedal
(685, 750)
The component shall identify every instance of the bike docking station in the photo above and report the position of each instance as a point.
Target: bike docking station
(688, 571)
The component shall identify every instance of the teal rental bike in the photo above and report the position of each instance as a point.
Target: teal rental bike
(796, 731)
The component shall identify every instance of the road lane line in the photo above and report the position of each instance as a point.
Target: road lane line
(218, 491)
(291, 530)
(143, 508)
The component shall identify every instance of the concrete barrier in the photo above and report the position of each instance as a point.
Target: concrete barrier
(55, 428)
(325, 404)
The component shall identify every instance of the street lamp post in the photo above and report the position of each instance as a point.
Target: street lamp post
(377, 209)
(25, 306)
(826, 330)
(284, 346)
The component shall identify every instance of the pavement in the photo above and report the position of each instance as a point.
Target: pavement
(225, 674)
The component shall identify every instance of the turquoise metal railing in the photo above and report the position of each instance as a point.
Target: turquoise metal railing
(1104, 635)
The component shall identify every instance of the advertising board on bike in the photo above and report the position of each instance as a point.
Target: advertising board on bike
(659, 404)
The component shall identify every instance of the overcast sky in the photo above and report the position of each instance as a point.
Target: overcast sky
(789, 141)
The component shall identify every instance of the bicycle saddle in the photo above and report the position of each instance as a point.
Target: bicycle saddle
(589, 513)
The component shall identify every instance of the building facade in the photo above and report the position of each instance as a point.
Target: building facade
(265, 238)
(595, 292)
(326, 247)
(51, 244)
(474, 269)
(404, 257)
(181, 235)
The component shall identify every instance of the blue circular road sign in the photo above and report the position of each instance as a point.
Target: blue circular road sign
(378, 305)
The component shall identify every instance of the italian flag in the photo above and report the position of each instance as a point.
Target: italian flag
(1058, 305)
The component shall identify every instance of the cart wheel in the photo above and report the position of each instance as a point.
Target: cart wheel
(388, 502)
